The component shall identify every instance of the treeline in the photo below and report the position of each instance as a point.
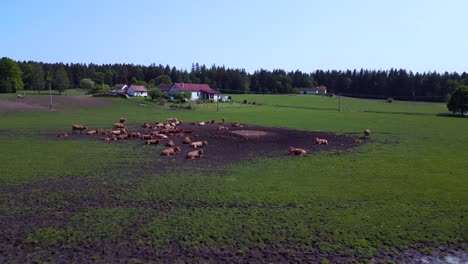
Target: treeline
(395, 83)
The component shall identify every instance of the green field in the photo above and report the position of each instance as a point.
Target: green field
(405, 190)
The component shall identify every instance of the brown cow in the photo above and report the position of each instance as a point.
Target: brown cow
(194, 154)
(367, 132)
(170, 151)
(297, 151)
(78, 128)
(199, 144)
(170, 143)
(320, 141)
(152, 142)
(119, 126)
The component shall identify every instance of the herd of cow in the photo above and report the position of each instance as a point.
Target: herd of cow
(160, 133)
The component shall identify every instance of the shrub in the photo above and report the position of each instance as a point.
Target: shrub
(155, 93)
(100, 88)
(87, 84)
(390, 100)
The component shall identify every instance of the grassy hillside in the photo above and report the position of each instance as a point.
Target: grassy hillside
(405, 189)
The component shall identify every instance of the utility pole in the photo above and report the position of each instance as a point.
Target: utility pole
(50, 95)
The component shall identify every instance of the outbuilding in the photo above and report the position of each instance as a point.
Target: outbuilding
(137, 90)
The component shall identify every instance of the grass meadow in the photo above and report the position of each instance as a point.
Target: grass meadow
(404, 190)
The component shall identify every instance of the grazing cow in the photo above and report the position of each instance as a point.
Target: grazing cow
(320, 141)
(122, 120)
(119, 126)
(78, 128)
(367, 132)
(19, 97)
(357, 141)
(236, 124)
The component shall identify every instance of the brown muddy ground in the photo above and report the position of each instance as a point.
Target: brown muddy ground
(42, 103)
(240, 143)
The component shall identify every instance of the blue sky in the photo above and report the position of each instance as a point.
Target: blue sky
(415, 35)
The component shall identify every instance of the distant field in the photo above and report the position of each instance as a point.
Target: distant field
(347, 104)
(399, 196)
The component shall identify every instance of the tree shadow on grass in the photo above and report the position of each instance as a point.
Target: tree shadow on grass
(452, 115)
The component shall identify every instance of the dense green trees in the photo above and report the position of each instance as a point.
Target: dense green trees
(394, 83)
(38, 81)
(161, 79)
(458, 102)
(61, 81)
(10, 76)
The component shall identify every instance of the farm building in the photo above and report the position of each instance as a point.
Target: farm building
(137, 90)
(164, 87)
(199, 91)
(313, 90)
(121, 87)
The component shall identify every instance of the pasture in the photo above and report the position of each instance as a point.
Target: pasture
(400, 196)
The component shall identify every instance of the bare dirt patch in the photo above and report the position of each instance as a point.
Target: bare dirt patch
(236, 144)
(17, 105)
(250, 133)
(42, 103)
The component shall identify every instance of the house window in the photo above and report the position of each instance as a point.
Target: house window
(198, 93)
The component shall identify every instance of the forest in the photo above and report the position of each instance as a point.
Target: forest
(392, 83)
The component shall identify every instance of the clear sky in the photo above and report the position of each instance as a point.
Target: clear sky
(417, 35)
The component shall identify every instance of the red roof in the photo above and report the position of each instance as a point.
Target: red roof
(195, 87)
(164, 87)
(322, 88)
(138, 88)
(120, 85)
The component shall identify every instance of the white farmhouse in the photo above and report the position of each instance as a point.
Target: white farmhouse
(199, 91)
(137, 90)
(322, 89)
